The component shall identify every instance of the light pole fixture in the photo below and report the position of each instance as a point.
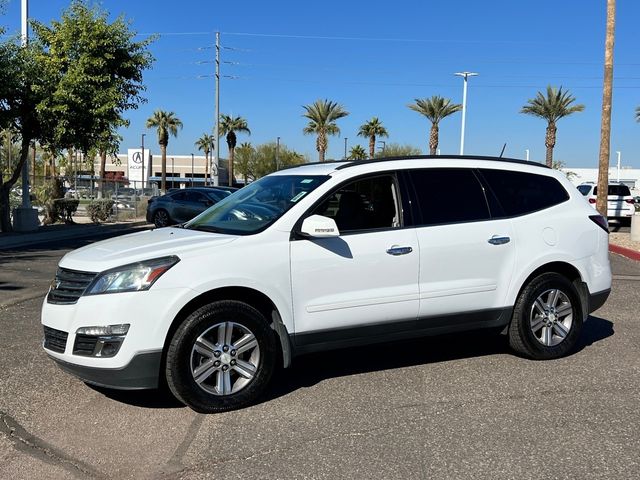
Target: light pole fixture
(465, 76)
(192, 169)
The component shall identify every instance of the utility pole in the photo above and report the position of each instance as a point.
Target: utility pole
(605, 128)
(345, 147)
(25, 218)
(216, 149)
(142, 163)
(192, 169)
(277, 153)
(465, 76)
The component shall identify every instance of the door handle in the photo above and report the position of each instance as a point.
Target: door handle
(499, 240)
(395, 250)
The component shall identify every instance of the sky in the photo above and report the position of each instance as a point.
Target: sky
(376, 57)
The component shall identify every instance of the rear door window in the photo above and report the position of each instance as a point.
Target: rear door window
(520, 193)
(448, 195)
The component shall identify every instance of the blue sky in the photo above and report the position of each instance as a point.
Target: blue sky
(374, 58)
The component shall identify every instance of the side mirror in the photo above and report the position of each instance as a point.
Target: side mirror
(317, 226)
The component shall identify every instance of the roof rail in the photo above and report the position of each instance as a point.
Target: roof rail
(430, 157)
(328, 162)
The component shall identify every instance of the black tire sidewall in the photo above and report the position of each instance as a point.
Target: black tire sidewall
(179, 377)
(521, 321)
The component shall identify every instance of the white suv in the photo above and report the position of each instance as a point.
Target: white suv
(331, 255)
(620, 203)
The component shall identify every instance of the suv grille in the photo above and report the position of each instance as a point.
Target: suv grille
(55, 340)
(68, 286)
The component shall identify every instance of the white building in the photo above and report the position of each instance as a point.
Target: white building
(628, 176)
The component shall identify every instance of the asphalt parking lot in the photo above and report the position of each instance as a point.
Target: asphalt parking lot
(452, 407)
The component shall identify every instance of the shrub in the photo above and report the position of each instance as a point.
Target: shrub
(46, 196)
(99, 210)
(64, 208)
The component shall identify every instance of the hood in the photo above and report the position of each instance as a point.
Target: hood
(146, 245)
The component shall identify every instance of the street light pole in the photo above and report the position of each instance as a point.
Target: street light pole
(345, 147)
(277, 153)
(216, 126)
(143, 163)
(173, 175)
(465, 76)
(527, 152)
(192, 169)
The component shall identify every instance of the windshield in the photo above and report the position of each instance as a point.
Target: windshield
(256, 206)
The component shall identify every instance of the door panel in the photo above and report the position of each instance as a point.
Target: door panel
(352, 281)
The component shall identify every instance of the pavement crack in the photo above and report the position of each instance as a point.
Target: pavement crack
(41, 450)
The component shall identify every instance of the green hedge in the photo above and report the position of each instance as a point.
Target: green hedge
(99, 210)
(64, 208)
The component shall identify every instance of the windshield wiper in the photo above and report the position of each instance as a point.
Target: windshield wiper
(206, 228)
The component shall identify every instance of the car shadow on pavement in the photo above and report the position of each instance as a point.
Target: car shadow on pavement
(311, 369)
(308, 370)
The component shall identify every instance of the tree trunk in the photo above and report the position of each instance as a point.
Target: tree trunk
(231, 155)
(163, 184)
(550, 142)
(33, 167)
(103, 168)
(605, 128)
(321, 145)
(372, 146)
(433, 139)
(5, 187)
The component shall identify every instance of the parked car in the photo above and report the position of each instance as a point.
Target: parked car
(620, 203)
(178, 206)
(331, 255)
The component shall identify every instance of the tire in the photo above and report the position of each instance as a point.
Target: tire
(546, 324)
(161, 218)
(231, 373)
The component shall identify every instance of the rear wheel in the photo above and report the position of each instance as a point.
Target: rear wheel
(221, 358)
(547, 318)
(161, 218)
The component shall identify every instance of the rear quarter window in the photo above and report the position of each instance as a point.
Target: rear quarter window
(520, 193)
(584, 189)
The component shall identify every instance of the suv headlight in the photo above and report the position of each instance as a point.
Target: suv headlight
(131, 278)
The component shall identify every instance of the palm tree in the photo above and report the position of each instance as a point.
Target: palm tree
(370, 130)
(638, 114)
(435, 109)
(553, 107)
(167, 124)
(229, 125)
(205, 144)
(322, 115)
(358, 153)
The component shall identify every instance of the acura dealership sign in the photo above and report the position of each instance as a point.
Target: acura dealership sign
(135, 164)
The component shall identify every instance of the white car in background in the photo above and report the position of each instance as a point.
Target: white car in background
(621, 203)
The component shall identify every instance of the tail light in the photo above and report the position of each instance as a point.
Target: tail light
(630, 200)
(592, 200)
(600, 221)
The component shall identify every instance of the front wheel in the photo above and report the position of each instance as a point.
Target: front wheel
(547, 318)
(221, 358)
(161, 218)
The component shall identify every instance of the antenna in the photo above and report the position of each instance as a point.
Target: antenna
(503, 147)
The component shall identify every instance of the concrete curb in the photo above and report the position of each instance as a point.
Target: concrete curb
(625, 252)
(63, 232)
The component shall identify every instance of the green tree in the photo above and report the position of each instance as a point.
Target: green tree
(435, 109)
(166, 124)
(95, 70)
(372, 129)
(552, 107)
(245, 160)
(265, 158)
(322, 115)
(357, 152)
(205, 144)
(229, 125)
(397, 150)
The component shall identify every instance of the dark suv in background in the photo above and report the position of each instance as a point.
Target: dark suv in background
(182, 205)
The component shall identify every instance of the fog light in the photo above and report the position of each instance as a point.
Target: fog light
(107, 330)
(100, 341)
